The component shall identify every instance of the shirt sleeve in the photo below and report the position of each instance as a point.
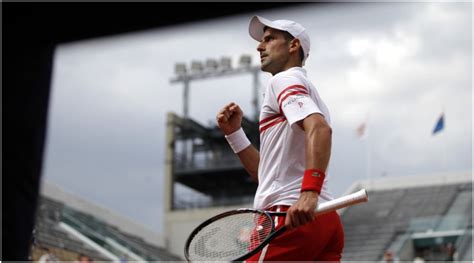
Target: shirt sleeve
(293, 99)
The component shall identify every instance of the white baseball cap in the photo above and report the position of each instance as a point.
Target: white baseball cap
(258, 23)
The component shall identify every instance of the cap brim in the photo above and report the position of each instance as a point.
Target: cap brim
(256, 26)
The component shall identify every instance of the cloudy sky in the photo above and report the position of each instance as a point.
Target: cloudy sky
(395, 66)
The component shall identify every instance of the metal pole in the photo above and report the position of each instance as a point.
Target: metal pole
(186, 98)
(185, 117)
(256, 72)
(169, 163)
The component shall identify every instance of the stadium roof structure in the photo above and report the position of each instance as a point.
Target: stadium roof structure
(74, 224)
(411, 217)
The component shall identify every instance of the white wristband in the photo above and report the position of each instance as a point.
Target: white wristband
(237, 140)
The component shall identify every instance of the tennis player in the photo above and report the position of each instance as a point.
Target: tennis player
(295, 147)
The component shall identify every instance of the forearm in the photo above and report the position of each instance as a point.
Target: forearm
(248, 155)
(250, 158)
(318, 147)
(318, 136)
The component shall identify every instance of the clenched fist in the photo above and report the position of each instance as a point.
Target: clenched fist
(229, 119)
(302, 212)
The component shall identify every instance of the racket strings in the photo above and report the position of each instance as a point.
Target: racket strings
(230, 237)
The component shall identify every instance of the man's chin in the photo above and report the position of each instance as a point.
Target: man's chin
(265, 67)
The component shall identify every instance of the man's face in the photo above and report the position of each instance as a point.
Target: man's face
(274, 51)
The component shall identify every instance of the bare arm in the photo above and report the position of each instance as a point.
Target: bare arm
(318, 142)
(318, 151)
(250, 158)
(229, 120)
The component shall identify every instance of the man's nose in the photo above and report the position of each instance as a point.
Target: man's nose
(260, 47)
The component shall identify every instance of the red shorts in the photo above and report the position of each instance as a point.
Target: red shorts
(320, 240)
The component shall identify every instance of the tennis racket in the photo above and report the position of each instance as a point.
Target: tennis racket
(238, 234)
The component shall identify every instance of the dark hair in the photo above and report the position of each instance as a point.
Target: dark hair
(288, 38)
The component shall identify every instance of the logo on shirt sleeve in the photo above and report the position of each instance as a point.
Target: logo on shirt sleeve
(294, 99)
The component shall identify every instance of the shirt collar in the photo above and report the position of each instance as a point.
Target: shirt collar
(300, 69)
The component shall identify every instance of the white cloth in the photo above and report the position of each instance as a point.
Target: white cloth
(288, 98)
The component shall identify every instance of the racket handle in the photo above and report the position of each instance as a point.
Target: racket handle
(343, 201)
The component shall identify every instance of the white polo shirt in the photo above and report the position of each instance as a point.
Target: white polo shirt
(288, 98)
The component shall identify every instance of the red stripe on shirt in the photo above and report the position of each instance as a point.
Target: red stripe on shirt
(291, 93)
(270, 118)
(262, 129)
(291, 87)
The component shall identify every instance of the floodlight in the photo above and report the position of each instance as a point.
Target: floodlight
(180, 69)
(225, 63)
(211, 64)
(245, 61)
(196, 66)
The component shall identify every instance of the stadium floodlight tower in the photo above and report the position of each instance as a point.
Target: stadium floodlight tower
(214, 69)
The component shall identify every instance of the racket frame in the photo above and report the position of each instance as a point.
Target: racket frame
(235, 212)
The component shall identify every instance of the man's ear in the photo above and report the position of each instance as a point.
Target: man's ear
(295, 45)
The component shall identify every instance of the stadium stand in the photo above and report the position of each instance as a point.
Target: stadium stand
(49, 235)
(413, 217)
(67, 233)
